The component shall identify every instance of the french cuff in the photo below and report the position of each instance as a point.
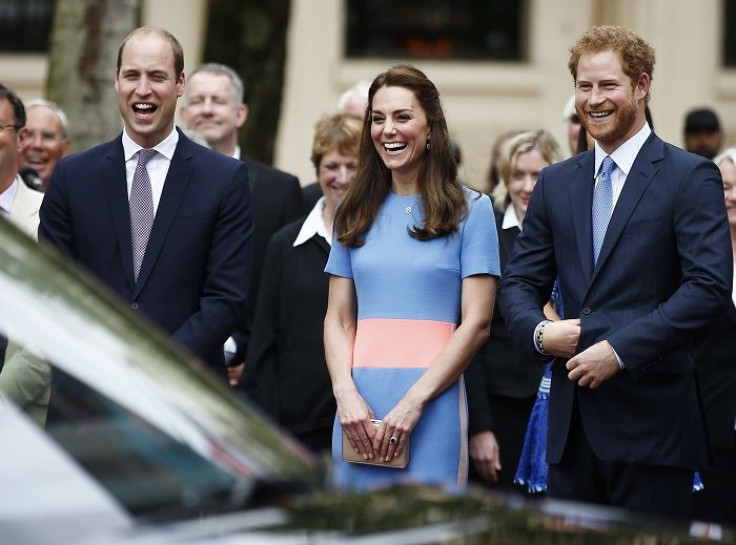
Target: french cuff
(230, 349)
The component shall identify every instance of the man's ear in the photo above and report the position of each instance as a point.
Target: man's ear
(22, 134)
(180, 85)
(242, 115)
(642, 86)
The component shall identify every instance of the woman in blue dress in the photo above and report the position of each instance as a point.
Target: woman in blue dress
(413, 252)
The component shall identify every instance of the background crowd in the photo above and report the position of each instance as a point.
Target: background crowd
(228, 256)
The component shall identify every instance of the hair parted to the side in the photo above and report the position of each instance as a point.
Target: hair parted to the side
(218, 69)
(19, 111)
(442, 196)
(637, 56)
(540, 140)
(340, 131)
(63, 119)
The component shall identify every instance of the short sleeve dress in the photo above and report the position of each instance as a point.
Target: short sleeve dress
(408, 297)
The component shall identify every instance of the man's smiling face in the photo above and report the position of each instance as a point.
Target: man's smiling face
(148, 88)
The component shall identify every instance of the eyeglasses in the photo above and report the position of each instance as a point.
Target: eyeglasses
(4, 126)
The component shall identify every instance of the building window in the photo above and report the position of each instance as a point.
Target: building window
(436, 29)
(729, 33)
(25, 25)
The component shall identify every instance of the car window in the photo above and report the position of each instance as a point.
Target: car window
(143, 418)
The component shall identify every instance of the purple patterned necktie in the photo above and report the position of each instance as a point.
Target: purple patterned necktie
(141, 209)
(602, 205)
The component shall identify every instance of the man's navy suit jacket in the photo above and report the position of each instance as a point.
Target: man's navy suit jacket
(664, 271)
(195, 274)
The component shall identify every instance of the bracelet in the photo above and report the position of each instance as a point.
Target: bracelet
(538, 336)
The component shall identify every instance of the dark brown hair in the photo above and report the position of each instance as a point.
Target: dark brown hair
(443, 199)
(19, 112)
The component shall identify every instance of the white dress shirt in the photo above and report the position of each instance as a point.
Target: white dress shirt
(624, 157)
(7, 198)
(157, 166)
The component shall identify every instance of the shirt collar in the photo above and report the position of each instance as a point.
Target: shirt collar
(166, 147)
(236, 153)
(7, 198)
(314, 225)
(510, 219)
(624, 155)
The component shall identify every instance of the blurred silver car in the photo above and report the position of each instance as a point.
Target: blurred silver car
(112, 435)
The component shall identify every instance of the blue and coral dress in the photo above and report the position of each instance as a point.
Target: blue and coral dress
(408, 294)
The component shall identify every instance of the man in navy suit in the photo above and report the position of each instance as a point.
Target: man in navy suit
(214, 110)
(625, 421)
(195, 270)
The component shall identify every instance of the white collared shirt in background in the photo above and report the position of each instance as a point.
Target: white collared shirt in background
(510, 219)
(314, 225)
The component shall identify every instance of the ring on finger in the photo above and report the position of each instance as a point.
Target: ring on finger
(393, 440)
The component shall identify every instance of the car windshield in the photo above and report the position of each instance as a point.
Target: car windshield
(145, 419)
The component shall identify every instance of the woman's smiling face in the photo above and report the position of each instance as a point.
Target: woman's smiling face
(399, 129)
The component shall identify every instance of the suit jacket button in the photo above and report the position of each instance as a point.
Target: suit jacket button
(135, 306)
(587, 311)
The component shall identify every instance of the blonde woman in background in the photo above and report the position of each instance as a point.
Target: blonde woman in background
(502, 380)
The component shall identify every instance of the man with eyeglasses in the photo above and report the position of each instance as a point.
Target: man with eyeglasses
(46, 140)
(18, 203)
(23, 380)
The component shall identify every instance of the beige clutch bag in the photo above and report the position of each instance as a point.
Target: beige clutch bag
(349, 455)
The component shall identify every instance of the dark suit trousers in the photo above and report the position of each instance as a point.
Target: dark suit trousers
(717, 501)
(582, 476)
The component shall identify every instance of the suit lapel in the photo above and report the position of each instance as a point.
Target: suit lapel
(116, 190)
(642, 172)
(175, 185)
(581, 200)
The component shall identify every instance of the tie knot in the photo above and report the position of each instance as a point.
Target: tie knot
(145, 155)
(608, 166)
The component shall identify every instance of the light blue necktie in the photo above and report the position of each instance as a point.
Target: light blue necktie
(602, 205)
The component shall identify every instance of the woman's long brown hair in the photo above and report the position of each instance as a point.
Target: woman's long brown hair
(443, 199)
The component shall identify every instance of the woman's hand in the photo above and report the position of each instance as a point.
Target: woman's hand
(486, 455)
(397, 424)
(355, 418)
